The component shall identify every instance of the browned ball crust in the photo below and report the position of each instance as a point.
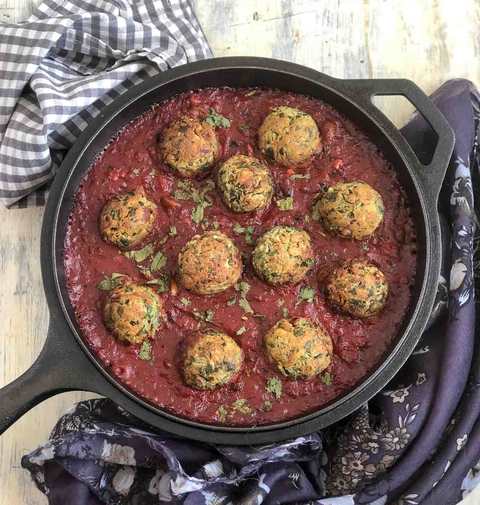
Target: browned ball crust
(283, 255)
(128, 218)
(133, 312)
(212, 360)
(245, 183)
(189, 146)
(299, 348)
(350, 210)
(357, 288)
(209, 263)
(289, 136)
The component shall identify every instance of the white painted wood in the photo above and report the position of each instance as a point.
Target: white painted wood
(428, 42)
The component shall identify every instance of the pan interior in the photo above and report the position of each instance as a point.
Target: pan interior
(106, 129)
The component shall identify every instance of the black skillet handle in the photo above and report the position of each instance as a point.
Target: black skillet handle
(433, 173)
(61, 366)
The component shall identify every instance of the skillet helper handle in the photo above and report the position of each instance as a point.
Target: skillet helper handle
(59, 368)
(433, 173)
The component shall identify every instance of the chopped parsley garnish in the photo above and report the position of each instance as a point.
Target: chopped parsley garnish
(158, 261)
(185, 190)
(205, 315)
(300, 176)
(245, 305)
(141, 254)
(185, 301)
(306, 294)
(274, 386)
(222, 413)
(327, 378)
(285, 203)
(109, 283)
(216, 119)
(247, 230)
(241, 406)
(243, 288)
(267, 406)
(241, 330)
(162, 283)
(145, 352)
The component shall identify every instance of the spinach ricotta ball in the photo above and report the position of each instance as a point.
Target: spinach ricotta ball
(209, 263)
(283, 255)
(350, 210)
(133, 312)
(211, 360)
(357, 288)
(299, 348)
(289, 136)
(245, 184)
(126, 219)
(189, 146)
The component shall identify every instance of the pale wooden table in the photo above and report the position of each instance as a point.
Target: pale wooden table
(428, 41)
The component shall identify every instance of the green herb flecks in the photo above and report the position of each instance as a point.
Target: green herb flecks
(185, 190)
(243, 288)
(299, 176)
(162, 283)
(204, 315)
(306, 294)
(241, 330)
(247, 230)
(274, 386)
(327, 378)
(145, 352)
(185, 301)
(141, 254)
(158, 261)
(267, 406)
(109, 283)
(216, 119)
(242, 406)
(222, 413)
(285, 203)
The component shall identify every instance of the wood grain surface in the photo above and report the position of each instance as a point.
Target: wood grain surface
(427, 41)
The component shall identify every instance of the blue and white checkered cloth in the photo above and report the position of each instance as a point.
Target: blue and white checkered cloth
(65, 63)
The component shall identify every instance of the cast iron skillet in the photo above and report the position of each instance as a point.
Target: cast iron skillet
(66, 363)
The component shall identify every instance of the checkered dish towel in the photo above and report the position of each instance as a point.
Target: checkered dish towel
(65, 63)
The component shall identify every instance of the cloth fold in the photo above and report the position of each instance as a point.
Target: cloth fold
(65, 63)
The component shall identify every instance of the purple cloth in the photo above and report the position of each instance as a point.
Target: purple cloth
(413, 443)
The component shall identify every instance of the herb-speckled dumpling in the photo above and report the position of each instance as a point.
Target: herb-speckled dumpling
(289, 136)
(283, 255)
(299, 348)
(189, 146)
(211, 359)
(357, 288)
(133, 312)
(209, 263)
(127, 219)
(245, 183)
(350, 210)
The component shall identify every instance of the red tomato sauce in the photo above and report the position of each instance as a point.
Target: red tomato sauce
(132, 159)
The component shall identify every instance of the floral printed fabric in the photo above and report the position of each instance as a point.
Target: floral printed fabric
(417, 442)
